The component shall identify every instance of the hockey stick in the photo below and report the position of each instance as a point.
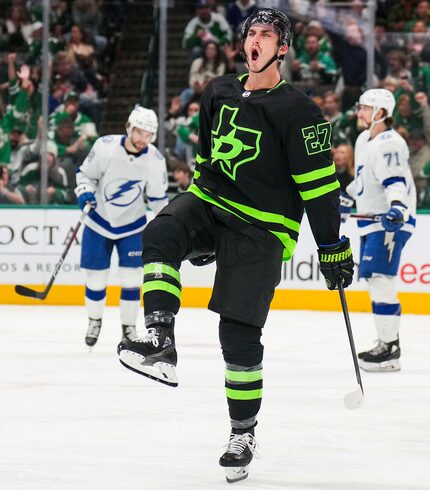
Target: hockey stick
(355, 398)
(374, 217)
(31, 293)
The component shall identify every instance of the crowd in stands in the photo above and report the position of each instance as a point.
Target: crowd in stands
(81, 45)
(327, 60)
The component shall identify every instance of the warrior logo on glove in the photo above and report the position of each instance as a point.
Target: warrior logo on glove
(336, 263)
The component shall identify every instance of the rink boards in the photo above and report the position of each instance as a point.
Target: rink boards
(32, 240)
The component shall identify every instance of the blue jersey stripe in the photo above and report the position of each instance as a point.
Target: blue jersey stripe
(150, 199)
(393, 180)
(117, 230)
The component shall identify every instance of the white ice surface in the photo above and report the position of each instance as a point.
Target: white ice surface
(71, 420)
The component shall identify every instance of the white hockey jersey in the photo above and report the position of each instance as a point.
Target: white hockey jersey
(119, 180)
(382, 175)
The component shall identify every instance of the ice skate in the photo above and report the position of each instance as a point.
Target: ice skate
(129, 332)
(239, 453)
(383, 357)
(153, 355)
(93, 332)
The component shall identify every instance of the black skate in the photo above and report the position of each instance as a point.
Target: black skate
(383, 357)
(129, 332)
(93, 332)
(153, 355)
(240, 450)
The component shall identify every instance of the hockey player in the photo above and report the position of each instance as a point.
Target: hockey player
(264, 154)
(113, 179)
(383, 186)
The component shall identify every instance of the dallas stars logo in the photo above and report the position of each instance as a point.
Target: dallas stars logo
(233, 145)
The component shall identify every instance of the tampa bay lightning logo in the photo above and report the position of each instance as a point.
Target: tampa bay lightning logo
(122, 192)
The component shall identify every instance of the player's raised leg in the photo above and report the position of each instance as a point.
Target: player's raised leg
(183, 228)
(154, 355)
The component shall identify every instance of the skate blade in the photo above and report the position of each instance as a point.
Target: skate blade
(159, 371)
(234, 474)
(382, 367)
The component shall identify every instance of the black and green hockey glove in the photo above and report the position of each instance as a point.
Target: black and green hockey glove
(336, 263)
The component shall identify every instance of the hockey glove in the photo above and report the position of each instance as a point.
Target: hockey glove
(336, 263)
(345, 207)
(395, 218)
(202, 260)
(85, 194)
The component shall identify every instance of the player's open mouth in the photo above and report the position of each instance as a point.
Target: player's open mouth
(254, 55)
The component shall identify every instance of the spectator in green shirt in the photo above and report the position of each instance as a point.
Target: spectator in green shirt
(424, 193)
(188, 133)
(68, 140)
(405, 116)
(83, 125)
(205, 26)
(312, 65)
(421, 15)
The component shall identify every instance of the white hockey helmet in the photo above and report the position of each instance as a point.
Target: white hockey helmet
(378, 98)
(145, 119)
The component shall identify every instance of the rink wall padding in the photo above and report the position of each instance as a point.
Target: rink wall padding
(33, 238)
(358, 301)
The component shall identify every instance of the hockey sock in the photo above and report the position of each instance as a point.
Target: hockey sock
(244, 390)
(161, 288)
(387, 320)
(129, 305)
(95, 302)
(243, 355)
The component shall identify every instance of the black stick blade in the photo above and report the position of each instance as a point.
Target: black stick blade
(29, 293)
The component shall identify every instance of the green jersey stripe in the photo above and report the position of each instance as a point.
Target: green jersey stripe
(284, 237)
(276, 86)
(257, 214)
(288, 243)
(204, 197)
(314, 174)
(265, 216)
(319, 191)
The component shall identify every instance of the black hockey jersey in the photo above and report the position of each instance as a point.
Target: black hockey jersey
(264, 155)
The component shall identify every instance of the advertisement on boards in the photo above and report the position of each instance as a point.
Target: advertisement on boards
(32, 240)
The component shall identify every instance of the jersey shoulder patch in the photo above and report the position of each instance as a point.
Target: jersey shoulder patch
(386, 135)
(107, 139)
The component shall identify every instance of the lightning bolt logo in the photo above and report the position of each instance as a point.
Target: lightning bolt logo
(389, 243)
(121, 190)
